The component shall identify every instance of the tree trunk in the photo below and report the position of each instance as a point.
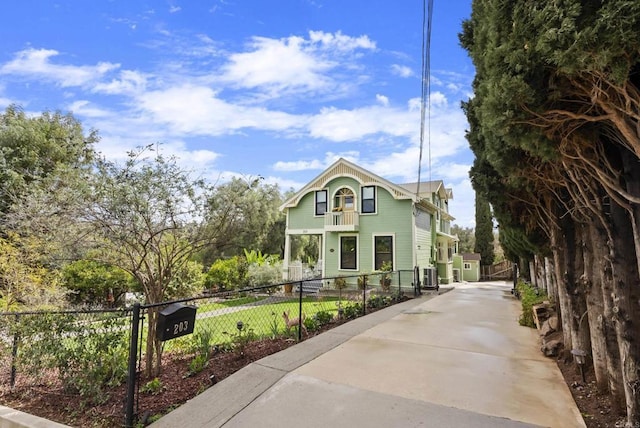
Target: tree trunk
(550, 280)
(151, 369)
(557, 248)
(581, 337)
(625, 307)
(603, 273)
(592, 282)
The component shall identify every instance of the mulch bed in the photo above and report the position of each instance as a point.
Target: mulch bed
(177, 387)
(596, 408)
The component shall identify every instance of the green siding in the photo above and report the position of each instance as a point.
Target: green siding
(392, 217)
(303, 216)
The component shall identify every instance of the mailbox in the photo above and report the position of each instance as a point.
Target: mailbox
(175, 320)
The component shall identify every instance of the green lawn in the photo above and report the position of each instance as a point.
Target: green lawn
(262, 320)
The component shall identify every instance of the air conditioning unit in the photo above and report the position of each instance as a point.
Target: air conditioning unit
(456, 275)
(431, 277)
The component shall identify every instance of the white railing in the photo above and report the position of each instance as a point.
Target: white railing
(341, 220)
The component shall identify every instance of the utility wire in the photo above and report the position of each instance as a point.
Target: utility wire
(425, 96)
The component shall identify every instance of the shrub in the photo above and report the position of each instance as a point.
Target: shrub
(529, 296)
(323, 318)
(311, 324)
(375, 302)
(265, 274)
(87, 355)
(154, 387)
(352, 310)
(198, 364)
(226, 274)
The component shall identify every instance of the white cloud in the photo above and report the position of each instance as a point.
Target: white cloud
(340, 41)
(382, 100)
(350, 125)
(174, 9)
(463, 203)
(190, 109)
(438, 99)
(129, 82)
(86, 109)
(264, 66)
(293, 64)
(35, 63)
(300, 165)
(401, 70)
(315, 164)
(451, 171)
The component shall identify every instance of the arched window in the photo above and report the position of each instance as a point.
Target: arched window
(345, 200)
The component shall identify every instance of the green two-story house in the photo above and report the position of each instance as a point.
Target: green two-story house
(361, 220)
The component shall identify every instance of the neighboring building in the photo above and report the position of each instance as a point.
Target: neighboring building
(466, 267)
(362, 220)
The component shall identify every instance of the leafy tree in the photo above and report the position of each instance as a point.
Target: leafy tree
(466, 236)
(247, 214)
(24, 281)
(187, 282)
(146, 217)
(32, 148)
(95, 283)
(484, 231)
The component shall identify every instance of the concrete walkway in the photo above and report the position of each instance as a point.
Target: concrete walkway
(458, 359)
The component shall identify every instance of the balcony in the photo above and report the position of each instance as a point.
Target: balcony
(341, 221)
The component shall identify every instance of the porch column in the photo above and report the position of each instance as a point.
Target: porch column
(287, 256)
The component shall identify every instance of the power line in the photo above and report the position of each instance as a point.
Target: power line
(425, 96)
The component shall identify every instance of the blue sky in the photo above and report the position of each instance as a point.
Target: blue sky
(279, 89)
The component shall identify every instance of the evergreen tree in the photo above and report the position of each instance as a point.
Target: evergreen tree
(484, 231)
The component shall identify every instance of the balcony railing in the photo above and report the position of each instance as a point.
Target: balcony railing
(341, 221)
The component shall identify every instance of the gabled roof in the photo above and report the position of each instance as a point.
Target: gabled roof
(429, 187)
(344, 168)
(471, 256)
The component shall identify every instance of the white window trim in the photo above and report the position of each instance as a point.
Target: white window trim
(467, 266)
(355, 196)
(344, 235)
(373, 249)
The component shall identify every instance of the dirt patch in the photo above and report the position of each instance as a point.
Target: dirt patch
(596, 408)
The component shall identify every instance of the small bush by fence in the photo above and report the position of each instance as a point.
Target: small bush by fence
(71, 352)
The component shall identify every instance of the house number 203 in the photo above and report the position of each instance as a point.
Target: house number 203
(180, 327)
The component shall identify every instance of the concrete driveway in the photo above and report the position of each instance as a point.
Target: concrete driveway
(458, 359)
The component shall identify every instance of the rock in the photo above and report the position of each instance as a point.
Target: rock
(546, 329)
(553, 322)
(552, 348)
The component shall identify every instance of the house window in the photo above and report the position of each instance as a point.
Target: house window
(423, 220)
(467, 266)
(321, 202)
(369, 199)
(345, 200)
(349, 252)
(383, 251)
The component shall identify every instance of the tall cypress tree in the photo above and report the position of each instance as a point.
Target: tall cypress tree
(484, 231)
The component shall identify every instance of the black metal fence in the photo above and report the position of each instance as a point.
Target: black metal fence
(88, 352)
